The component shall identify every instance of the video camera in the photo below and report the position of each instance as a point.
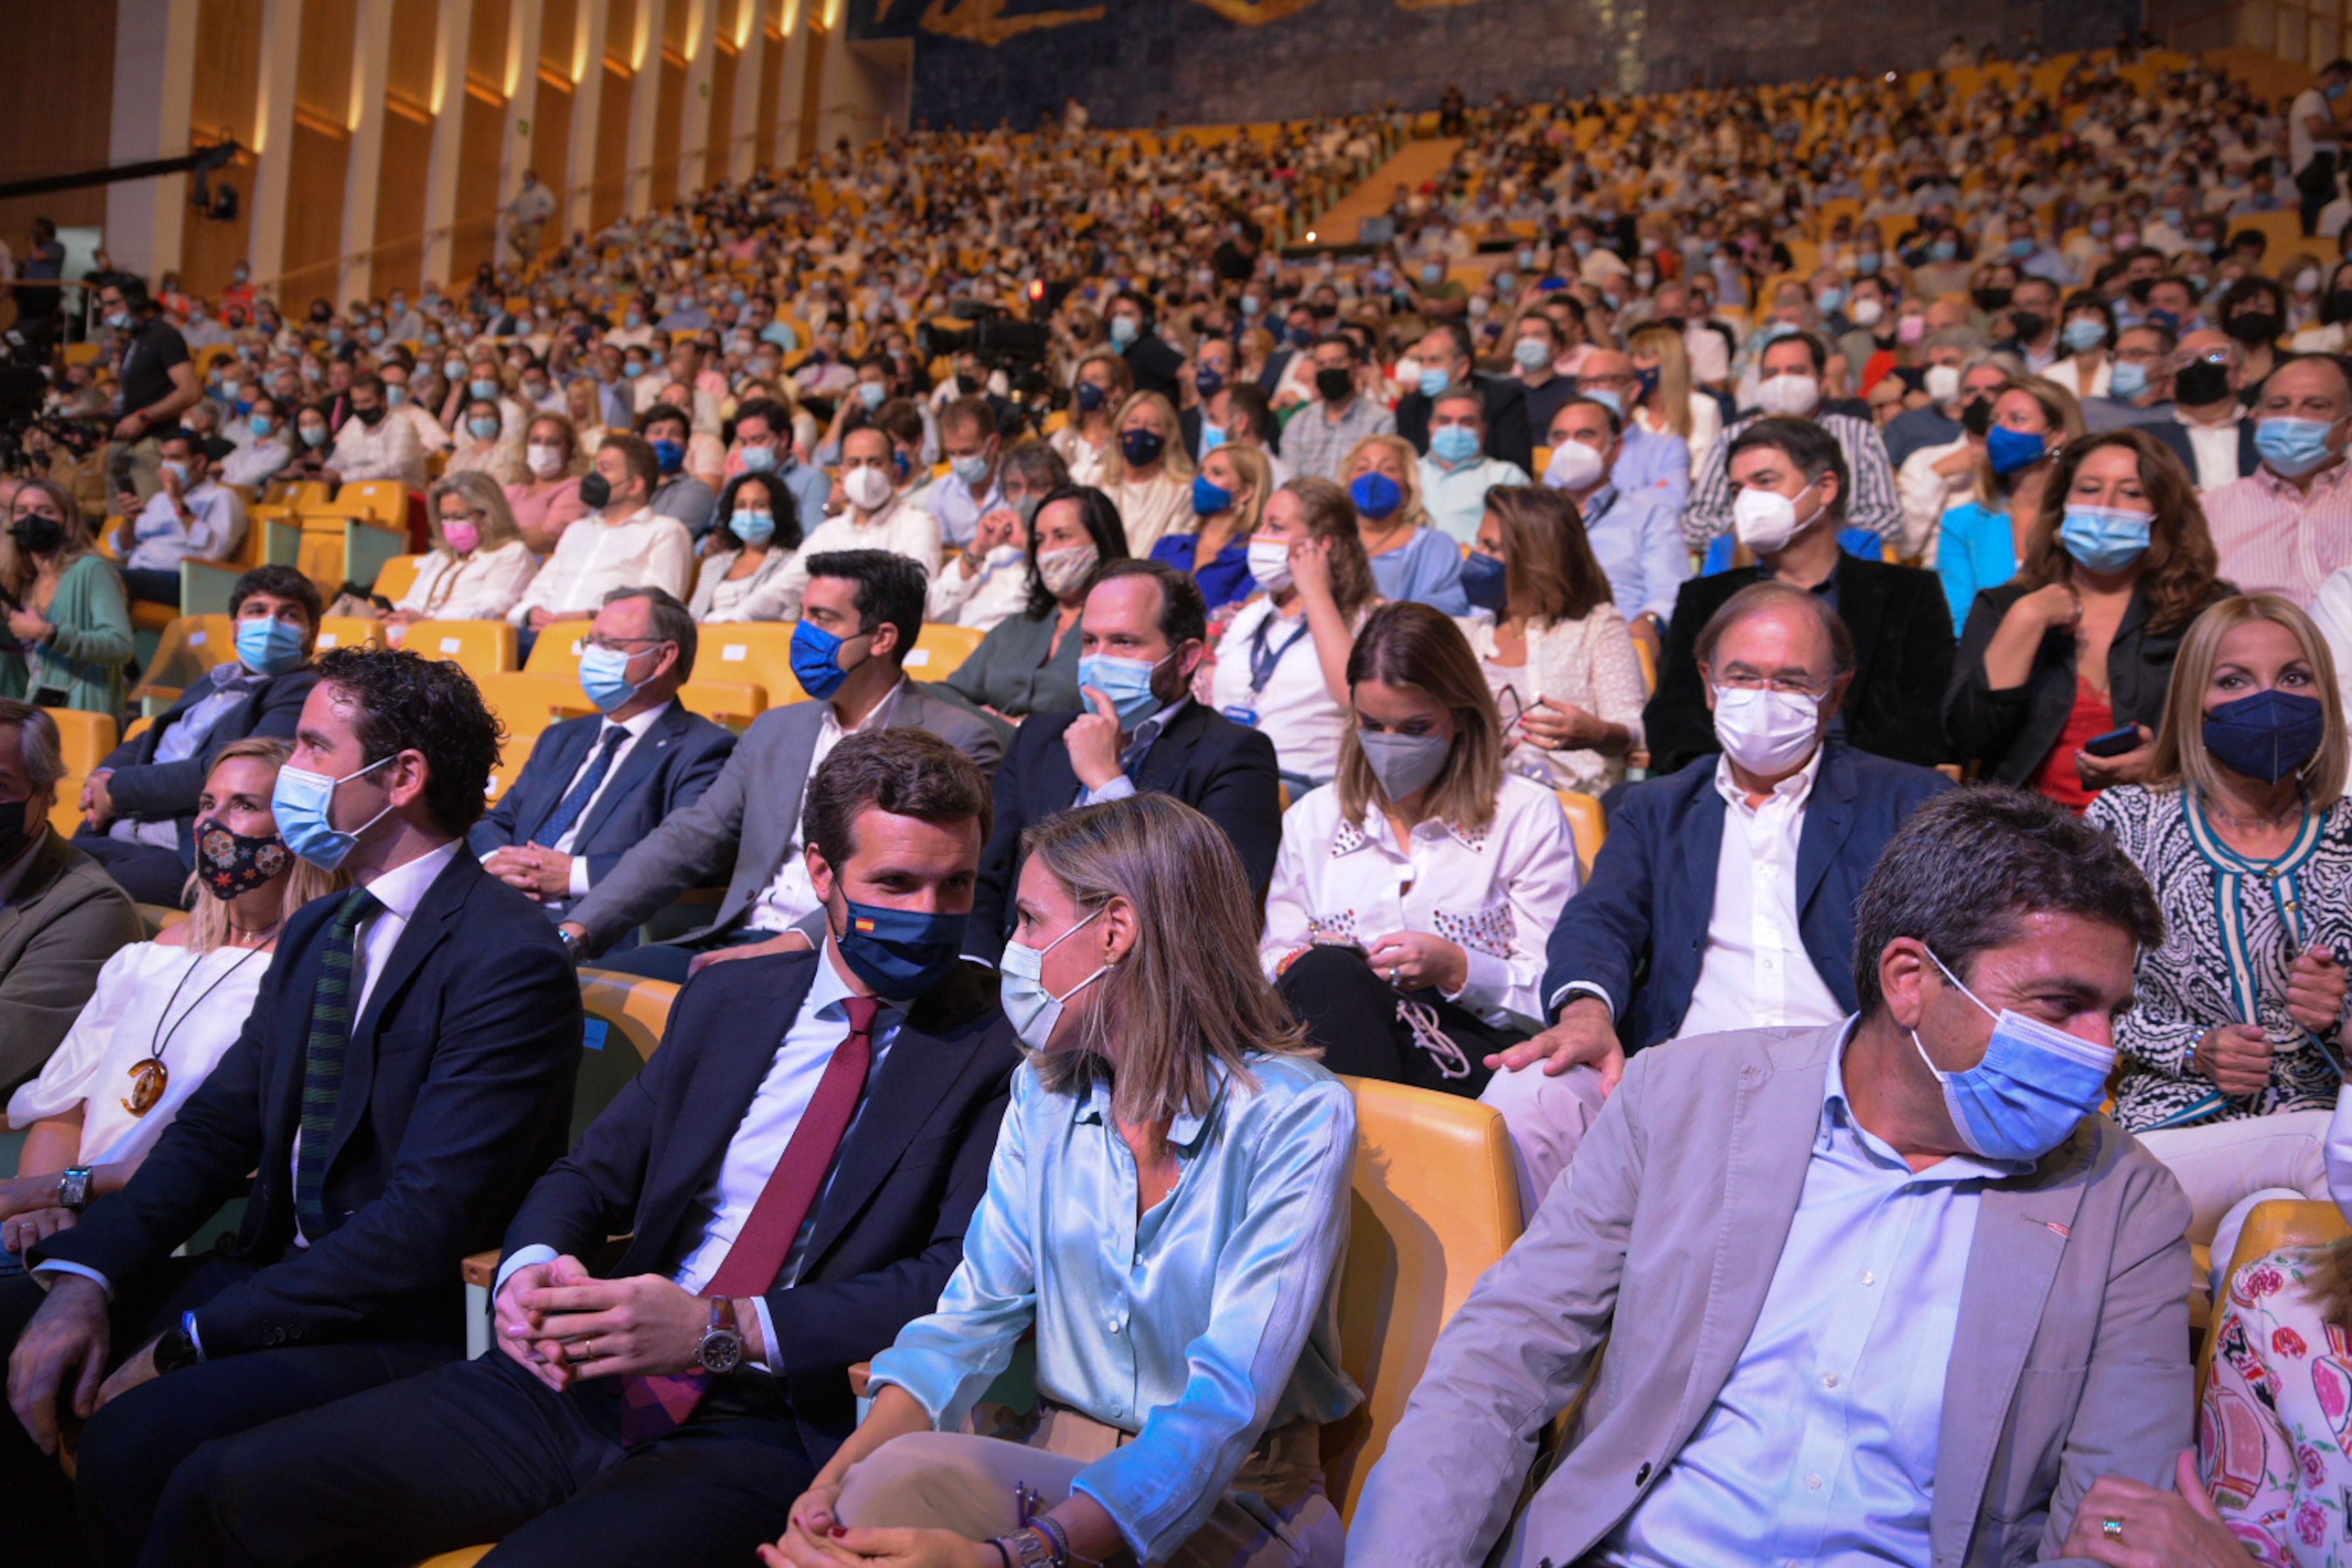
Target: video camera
(1000, 343)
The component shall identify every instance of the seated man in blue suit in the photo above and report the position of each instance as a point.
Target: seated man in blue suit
(795, 1167)
(139, 806)
(593, 787)
(1143, 630)
(405, 1075)
(1724, 895)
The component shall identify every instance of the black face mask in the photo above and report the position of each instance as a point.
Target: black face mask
(12, 836)
(2141, 289)
(2201, 382)
(370, 417)
(1335, 385)
(2253, 328)
(232, 863)
(2337, 307)
(596, 490)
(1992, 298)
(36, 534)
(2028, 324)
(1976, 415)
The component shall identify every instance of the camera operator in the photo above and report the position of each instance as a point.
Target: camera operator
(155, 378)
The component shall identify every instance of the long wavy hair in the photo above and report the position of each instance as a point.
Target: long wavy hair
(2179, 575)
(1330, 515)
(1418, 645)
(2180, 757)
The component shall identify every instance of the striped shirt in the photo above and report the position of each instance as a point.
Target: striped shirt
(1872, 502)
(2275, 538)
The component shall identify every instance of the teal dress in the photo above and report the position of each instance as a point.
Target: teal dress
(1016, 671)
(1977, 549)
(85, 661)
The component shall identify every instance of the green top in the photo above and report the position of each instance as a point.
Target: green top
(86, 657)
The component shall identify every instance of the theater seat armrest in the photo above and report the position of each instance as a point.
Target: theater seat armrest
(481, 1268)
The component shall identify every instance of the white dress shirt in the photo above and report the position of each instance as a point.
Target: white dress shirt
(483, 585)
(256, 463)
(896, 527)
(1756, 973)
(792, 897)
(2216, 446)
(1496, 894)
(726, 1200)
(596, 555)
(634, 728)
(164, 540)
(387, 450)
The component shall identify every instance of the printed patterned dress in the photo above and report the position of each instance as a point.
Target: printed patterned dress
(2272, 1427)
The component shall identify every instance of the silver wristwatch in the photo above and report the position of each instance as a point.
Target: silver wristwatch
(721, 1350)
(73, 1189)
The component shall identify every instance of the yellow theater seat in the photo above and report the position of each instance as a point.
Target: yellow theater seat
(941, 651)
(398, 576)
(558, 649)
(190, 646)
(481, 647)
(86, 738)
(348, 631)
(734, 704)
(759, 652)
(1649, 663)
(1588, 822)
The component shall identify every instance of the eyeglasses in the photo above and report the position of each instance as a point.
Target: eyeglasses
(620, 644)
(1744, 681)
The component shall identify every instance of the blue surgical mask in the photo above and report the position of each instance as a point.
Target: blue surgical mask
(1209, 497)
(1486, 581)
(759, 459)
(604, 676)
(269, 646)
(1128, 683)
(2033, 1087)
(1124, 329)
(2293, 448)
(873, 394)
(1434, 381)
(1029, 1007)
(303, 802)
(1376, 496)
(483, 389)
(261, 424)
(1453, 444)
(2010, 450)
(1830, 298)
(817, 660)
(2128, 381)
(973, 471)
(2084, 333)
(901, 952)
(1531, 353)
(670, 455)
(752, 528)
(1942, 250)
(2266, 736)
(2104, 538)
(1212, 437)
(484, 428)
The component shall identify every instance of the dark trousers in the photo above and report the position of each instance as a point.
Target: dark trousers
(154, 584)
(480, 1451)
(126, 1456)
(1369, 1028)
(2316, 184)
(149, 875)
(670, 960)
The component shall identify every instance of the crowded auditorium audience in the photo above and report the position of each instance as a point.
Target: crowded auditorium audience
(1781, 652)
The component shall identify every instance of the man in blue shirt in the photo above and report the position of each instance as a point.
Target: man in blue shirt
(1635, 535)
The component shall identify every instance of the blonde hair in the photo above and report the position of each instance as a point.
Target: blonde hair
(17, 569)
(2180, 757)
(1674, 376)
(208, 925)
(575, 464)
(1175, 462)
(1190, 992)
(1418, 645)
(482, 492)
(2059, 411)
(1258, 475)
(1411, 510)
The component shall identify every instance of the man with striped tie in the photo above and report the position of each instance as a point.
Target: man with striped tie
(795, 1167)
(406, 1073)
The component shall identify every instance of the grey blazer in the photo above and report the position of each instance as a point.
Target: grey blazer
(66, 918)
(744, 823)
(2070, 1360)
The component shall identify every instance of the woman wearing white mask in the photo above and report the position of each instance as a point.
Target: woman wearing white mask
(2330, 326)
(1167, 1209)
(548, 500)
(1413, 894)
(479, 564)
(755, 533)
(1028, 663)
(1282, 662)
(2063, 672)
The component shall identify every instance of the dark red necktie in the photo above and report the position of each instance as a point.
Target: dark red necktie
(653, 1406)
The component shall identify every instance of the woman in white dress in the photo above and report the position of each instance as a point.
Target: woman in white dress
(479, 564)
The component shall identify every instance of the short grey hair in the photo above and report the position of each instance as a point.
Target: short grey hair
(1968, 340)
(38, 740)
(1758, 597)
(673, 622)
(1459, 392)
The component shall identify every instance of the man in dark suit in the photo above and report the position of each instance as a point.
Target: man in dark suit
(859, 617)
(669, 1411)
(1901, 627)
(1446, 351)
(594, 787)
(1143, 630)
(403, 1076)
(139, 807)
(1724, 896)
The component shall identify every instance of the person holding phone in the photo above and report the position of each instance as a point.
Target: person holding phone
(2063, 670)
(2232, 1056)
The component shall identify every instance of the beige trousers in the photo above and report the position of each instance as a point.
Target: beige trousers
(1274, 1514)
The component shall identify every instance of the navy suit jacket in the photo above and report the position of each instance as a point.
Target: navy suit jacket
(667, 771)
(148, 791)
(1223, 770)
(1638, 928)
(457, 1092)
(888, 1230)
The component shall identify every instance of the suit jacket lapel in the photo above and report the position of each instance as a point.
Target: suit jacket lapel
(426, 930)
(1163, 765)
(643, 759)
(1829, 818)
(562, 764)
(916, 1073)
(2021, 1233)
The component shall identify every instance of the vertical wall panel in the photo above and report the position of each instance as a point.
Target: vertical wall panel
(721, 156)
(314, 213)
(475, 235)
(666, 109)
(772, 137)
(612, 146)
(227, 85)
(551, 141)
(399, 201)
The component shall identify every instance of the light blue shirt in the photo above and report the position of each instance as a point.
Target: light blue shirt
(1977, 550)
(1457, 497)
(1821, 1447)
(951, 500)
(1638, 539)
(1654, 465)
(1427, 571)
(1200, 1326)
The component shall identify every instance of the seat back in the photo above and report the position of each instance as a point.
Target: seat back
(939, 651)
(759, 652)
(734, 704)
(2269, 1227)
(527, 705)
(189, 645)
(1435, 1205)
(481, 647)
(398, 576)
(625, 1020)
(381, 501)
(558, 649)
(1588, 822)
(86, 738)
(348, 631)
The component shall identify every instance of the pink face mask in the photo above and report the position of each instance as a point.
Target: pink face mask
(462, 537)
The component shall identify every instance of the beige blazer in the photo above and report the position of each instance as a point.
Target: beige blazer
(2070, 1360)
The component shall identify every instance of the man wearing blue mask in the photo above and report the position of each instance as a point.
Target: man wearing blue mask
(1458, 472)
(189, 517)
(593, 787)
(860, 616)
(676, 493)
(1441, 359)
(1886, 1289)
(2287, 527)
(406, 1073)
(968, 491)
(1536, 349)
(138, 805)
(1143, 630)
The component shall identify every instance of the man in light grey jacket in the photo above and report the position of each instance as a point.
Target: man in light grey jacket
(1887, 1291)
(859, 619)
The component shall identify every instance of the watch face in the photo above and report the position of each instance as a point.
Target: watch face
(721, 1352)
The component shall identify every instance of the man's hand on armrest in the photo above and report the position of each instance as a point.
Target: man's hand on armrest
(1585, 1036)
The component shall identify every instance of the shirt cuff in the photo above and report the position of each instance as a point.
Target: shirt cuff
(769, 1360)
(57, 1266)
(522, 1258)
(1119, 788)
(1560, 997)
(1485, 984)
(579, 875)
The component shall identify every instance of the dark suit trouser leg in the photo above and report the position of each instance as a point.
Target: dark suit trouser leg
(482, 1451)
(1353, 1014)
(149, 874)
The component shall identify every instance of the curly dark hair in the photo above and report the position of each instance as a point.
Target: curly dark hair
(425, 705)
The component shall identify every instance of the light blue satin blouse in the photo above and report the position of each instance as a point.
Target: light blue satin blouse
(1209, 1320)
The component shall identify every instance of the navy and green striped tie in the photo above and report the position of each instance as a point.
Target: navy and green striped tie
(322, 1071)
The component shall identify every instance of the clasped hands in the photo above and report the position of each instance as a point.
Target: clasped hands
(562, 1324)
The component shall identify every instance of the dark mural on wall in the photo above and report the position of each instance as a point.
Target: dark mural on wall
(1213, 61)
